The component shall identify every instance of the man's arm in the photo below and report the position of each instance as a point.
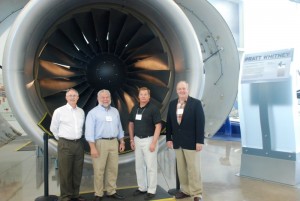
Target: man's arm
(90, 135)
(155, 137)
(131, 135)
(169, 129)
(200, 119)
(122, 145)
(54, 126)
(94, 151)
(120, 133)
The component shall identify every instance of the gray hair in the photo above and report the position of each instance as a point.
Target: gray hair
(103, 91)
(185, 82)
(72, 89)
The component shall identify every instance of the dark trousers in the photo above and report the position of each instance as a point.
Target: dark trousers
(70, 164)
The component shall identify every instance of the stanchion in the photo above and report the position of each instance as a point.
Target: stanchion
(176, 190)
(46, 196)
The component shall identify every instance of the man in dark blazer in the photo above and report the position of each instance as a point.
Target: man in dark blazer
(185, 133)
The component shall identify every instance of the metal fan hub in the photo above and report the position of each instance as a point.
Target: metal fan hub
(106, 72)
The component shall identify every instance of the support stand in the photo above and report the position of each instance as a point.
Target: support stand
(46, 196)
(176, 190)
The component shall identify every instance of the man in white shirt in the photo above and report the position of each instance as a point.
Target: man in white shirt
(66, 125)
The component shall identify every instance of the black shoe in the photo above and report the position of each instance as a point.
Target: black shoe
(78, 199)
(149, 196)
(181, 195)
(138, 192)
(97, 198)
(116, 196)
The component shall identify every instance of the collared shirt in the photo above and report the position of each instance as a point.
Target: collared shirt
(150, 116)
(67, 122)
(103, 123)
(179, 111)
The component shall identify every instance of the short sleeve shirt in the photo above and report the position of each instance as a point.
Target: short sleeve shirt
(144, 125)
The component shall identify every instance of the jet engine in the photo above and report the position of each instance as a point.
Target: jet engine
(119, 45)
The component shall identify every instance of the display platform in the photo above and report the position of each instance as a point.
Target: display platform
(161, 195)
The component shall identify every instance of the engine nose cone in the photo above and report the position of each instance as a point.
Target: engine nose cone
(106, 72)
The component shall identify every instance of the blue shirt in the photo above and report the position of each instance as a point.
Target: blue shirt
(103, 123)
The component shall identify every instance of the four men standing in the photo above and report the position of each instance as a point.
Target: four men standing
(103, 128)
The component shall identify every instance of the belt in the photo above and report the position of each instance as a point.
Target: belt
(70, 140)
(108, 138)
(142, 137)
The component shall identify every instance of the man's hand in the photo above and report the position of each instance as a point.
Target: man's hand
(198, 147)
(170, 144)
(132, 144)
(152, 147)
(94, 153)
(122, 146)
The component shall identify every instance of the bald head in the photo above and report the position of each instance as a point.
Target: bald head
(182, 89)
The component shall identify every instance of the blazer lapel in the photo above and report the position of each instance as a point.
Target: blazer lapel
(175, 111)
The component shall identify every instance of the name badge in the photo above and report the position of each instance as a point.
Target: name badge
(108, 118)
(180, 111)
(138, 117)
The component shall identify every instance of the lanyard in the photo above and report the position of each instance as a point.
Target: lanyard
(137, 111)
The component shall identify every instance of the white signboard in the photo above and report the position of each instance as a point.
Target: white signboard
(270, 66)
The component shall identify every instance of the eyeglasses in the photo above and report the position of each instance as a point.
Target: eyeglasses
(73, 96)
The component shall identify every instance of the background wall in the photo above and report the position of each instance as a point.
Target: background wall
(271, 24)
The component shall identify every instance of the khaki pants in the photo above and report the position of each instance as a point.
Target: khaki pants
(106, 167)
(189, 171)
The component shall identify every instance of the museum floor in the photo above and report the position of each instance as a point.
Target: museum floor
(21, 175)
